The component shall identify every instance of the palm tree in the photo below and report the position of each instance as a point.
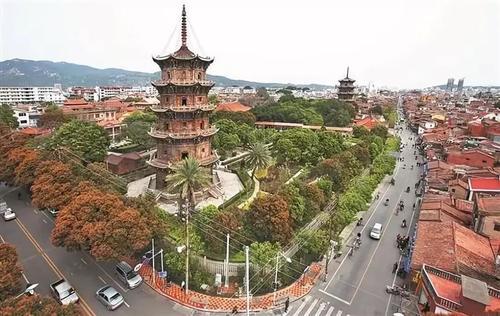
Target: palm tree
(186, 177)
(259, 156)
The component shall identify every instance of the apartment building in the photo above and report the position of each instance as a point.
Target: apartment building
(18, 95)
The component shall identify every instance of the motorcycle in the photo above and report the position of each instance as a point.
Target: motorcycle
(393, 181)
(403, 223)
(407, 189)
(386, 202)
(394, 289)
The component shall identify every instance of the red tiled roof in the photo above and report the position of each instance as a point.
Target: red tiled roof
(35, 131)
(484, 184)
(232, 107)
(367, 122)
(75, 102)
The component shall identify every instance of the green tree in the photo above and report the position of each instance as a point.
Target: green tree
(380, 131)
(313, 242)
(331, 143)
(52, 117)
(137, 132)
(360, 131)
(188, 176)
(7, 116)
(85, 139)
(237, 117)
(296, 204)
(140, 116)
(259, 157)
(377, 109)
(263, 254)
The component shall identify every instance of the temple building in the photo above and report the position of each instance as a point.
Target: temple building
(346, 88)
(182, 129)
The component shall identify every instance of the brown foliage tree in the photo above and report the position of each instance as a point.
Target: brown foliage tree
(37, 305)
(9, 141)
(270, 219)
(53, 117)
(54, 185)
(102, 223)
(10, 272)
(24, 162)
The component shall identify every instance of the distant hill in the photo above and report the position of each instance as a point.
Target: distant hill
(22, 72)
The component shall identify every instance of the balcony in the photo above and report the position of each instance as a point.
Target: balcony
(189, 108)
(157, 133)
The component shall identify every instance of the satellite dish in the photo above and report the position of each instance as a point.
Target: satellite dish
(138, 267)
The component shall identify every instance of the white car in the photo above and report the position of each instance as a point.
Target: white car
(9, 215)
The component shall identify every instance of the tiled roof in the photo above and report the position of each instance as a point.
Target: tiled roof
(454, 248)
(367, 122)
(233, 107)
(488, 204)
(484, 184)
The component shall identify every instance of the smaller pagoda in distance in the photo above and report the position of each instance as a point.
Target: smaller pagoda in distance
(346, 89)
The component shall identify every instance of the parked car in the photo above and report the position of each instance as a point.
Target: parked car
(127, 275)
(63, 292)
(109, 297)
(52, 211)
(9, 215)
(3, 206)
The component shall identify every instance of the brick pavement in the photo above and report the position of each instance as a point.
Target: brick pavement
(210, 303)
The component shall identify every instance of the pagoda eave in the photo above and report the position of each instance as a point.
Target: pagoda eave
(160, 84)
(176, 109)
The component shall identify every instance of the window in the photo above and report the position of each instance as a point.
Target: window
(199, 99)
(24, 122)
(199, 76)
(184, 124)
(167, 126)
(168, 75)
(184, 101)
(22, 114)
(484, 161)
(202, 125)
(203, 150)
(497, 227)
(453, 190)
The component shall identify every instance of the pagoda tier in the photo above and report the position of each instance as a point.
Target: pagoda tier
(182, 134)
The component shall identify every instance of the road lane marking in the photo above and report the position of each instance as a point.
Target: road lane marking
(335, 297)
(102, 280)
(320, 309)
(311, 307)
(3, 240)
(330, 311)
(43, 220)
(81, 259)
(301, 307)
(339, 313)
(25, 278)
(50, 219)
(51, 264)
(374, 253)
(126, 304)
(35, 211)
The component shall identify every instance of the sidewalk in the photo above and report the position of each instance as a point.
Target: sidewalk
(210, 303)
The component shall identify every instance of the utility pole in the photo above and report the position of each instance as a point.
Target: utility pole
(187, 247)
(153, 259)
(329, 251)
(247, 280)
(275, 285)
(226, 281)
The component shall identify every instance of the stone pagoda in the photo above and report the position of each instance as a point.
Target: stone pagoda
(346, 88)
(182, 129)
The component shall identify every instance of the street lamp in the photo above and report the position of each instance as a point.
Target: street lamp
(287, 259)
(30, 289)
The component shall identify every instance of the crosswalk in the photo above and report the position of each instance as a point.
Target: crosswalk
(313, 306)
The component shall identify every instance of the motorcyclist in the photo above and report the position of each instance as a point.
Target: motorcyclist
(360, 221)
(403, 224)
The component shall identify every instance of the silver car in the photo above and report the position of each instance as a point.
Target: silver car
(110, 297)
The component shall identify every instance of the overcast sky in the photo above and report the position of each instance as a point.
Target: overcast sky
(397, 43)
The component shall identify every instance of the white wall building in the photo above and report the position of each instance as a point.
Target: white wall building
(27, 116)
(15, 95)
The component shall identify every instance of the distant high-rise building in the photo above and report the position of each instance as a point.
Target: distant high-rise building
(449, 85)
(346, 88)
(460, 86)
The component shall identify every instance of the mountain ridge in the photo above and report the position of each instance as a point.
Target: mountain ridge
(25, 72)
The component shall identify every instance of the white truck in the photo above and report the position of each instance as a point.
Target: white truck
(64, 292)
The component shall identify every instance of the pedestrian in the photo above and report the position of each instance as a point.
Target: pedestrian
(395, 267)
(235, 310)
(183, 285)
(18, 195)
(287, 304)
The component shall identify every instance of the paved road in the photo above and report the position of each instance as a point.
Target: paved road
(356, 284)
(43, 263)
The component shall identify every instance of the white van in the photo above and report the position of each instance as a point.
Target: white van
(376, 231)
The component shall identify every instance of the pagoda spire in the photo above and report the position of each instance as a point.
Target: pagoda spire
(347, 75)
(183, 26)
